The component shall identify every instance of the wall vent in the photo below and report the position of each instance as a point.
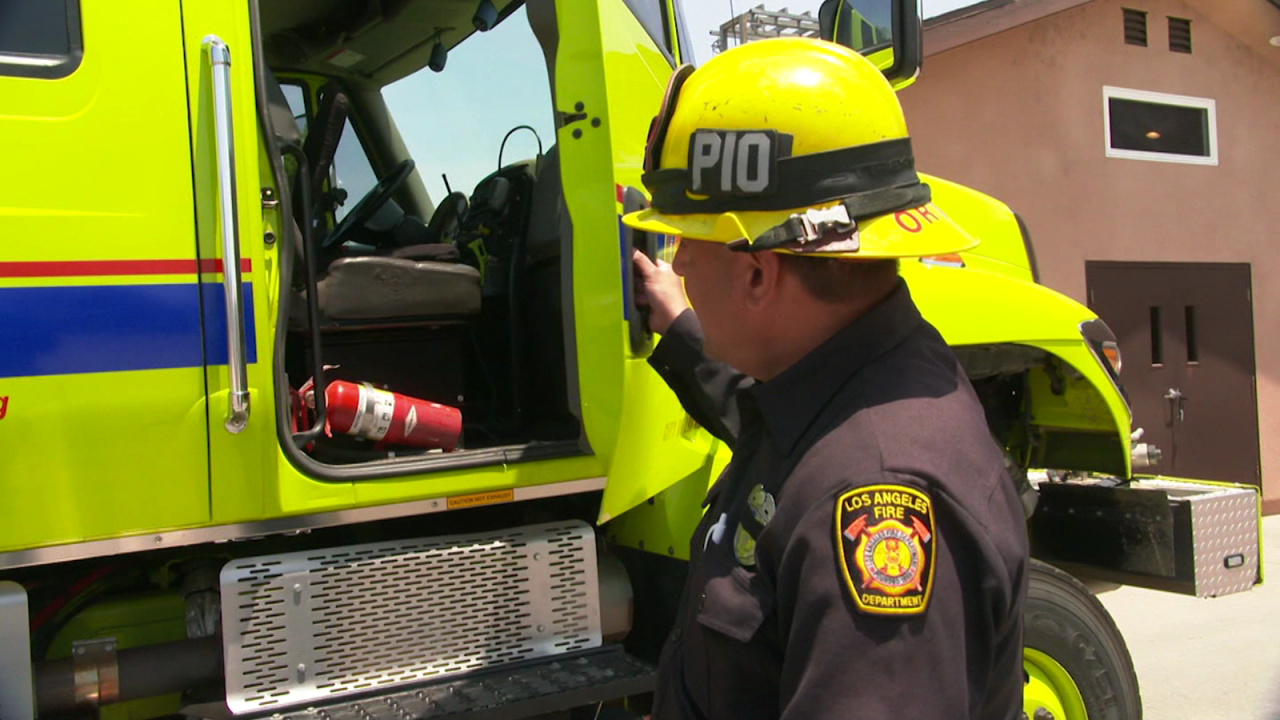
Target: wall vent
(1179, 35)
(1135, 27)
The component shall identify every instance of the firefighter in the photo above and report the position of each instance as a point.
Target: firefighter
(864, 555)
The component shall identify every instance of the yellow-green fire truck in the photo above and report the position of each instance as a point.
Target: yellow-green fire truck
(214, 211)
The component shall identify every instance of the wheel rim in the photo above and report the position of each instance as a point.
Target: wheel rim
(1050, 690)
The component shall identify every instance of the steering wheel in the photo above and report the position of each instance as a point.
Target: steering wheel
(369, 205)
(447, 217)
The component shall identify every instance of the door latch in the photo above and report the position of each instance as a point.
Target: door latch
(1176, 400)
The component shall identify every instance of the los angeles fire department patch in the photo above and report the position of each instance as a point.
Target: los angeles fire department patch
(885, 537)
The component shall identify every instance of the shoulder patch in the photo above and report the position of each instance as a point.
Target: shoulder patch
(886, 548)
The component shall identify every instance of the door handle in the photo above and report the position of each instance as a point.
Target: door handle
(1176, 400)
(638, 317)
(224, 150)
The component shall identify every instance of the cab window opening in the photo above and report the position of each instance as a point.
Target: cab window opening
(462, 306)
(295, 94)
(40, 38)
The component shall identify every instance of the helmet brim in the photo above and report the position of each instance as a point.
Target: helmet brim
(921, 232)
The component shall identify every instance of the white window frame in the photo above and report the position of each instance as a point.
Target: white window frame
(1207, 104)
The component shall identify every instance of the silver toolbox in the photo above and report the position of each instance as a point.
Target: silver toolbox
(1190, 537)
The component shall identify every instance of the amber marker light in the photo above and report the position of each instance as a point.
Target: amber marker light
(1111, 351)
(951, 260)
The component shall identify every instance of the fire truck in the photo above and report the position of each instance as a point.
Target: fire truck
(314, 406)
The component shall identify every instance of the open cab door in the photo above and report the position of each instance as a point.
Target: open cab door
(660, 491)
(888, 32)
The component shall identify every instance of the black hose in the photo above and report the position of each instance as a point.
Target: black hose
(512, 131)
(144, 672)
(309, 251)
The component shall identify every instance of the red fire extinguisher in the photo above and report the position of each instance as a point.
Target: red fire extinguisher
(389, 418)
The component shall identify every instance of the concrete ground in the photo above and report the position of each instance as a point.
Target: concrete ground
(1207, 659)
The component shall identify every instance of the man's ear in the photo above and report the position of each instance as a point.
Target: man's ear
(762, 271)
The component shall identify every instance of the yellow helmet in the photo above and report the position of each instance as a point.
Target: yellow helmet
(794, 145)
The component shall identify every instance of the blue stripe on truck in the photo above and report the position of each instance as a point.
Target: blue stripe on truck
(67, 330)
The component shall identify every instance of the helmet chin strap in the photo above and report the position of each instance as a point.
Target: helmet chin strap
(835, 228)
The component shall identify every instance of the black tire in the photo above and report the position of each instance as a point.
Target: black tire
(1066, 622)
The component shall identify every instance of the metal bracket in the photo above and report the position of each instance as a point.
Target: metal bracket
(269, 201)
(567, 118)
(97, 672)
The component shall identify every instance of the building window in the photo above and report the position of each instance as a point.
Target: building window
(1164, 128)
(40, 38)
(1179, 35)
(1135, 27)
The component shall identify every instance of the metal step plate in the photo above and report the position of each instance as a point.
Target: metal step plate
(312, 626)
(546, 686)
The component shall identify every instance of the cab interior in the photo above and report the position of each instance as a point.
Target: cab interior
(442, 274)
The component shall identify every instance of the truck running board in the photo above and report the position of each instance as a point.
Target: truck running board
(517, 691)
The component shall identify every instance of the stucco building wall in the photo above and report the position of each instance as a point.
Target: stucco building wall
(1020, 115)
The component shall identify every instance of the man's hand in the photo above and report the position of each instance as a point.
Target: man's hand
(659, 289)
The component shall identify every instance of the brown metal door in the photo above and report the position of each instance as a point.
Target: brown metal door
(1186, 332)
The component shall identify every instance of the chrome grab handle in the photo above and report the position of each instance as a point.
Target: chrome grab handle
(237, 364)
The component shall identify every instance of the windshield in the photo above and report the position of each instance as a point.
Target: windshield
(453, 122)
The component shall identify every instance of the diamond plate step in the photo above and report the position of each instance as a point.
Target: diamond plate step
(520, 691)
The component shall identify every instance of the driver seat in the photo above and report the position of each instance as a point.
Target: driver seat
(398, 287)
(407, 285)
(417, 281)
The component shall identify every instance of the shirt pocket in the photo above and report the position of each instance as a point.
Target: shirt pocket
(734, 604)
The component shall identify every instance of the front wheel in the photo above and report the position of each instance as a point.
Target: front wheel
(1077, 664)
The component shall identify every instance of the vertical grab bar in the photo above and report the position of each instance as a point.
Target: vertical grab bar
(237, 364)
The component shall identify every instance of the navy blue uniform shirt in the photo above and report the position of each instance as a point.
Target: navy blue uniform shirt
(865, 554)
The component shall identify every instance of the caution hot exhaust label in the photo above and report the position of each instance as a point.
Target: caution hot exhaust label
(485, 498)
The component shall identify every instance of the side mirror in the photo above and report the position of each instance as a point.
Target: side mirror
(887, 32)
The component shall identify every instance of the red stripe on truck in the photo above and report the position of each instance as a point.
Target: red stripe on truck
(91, 268)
